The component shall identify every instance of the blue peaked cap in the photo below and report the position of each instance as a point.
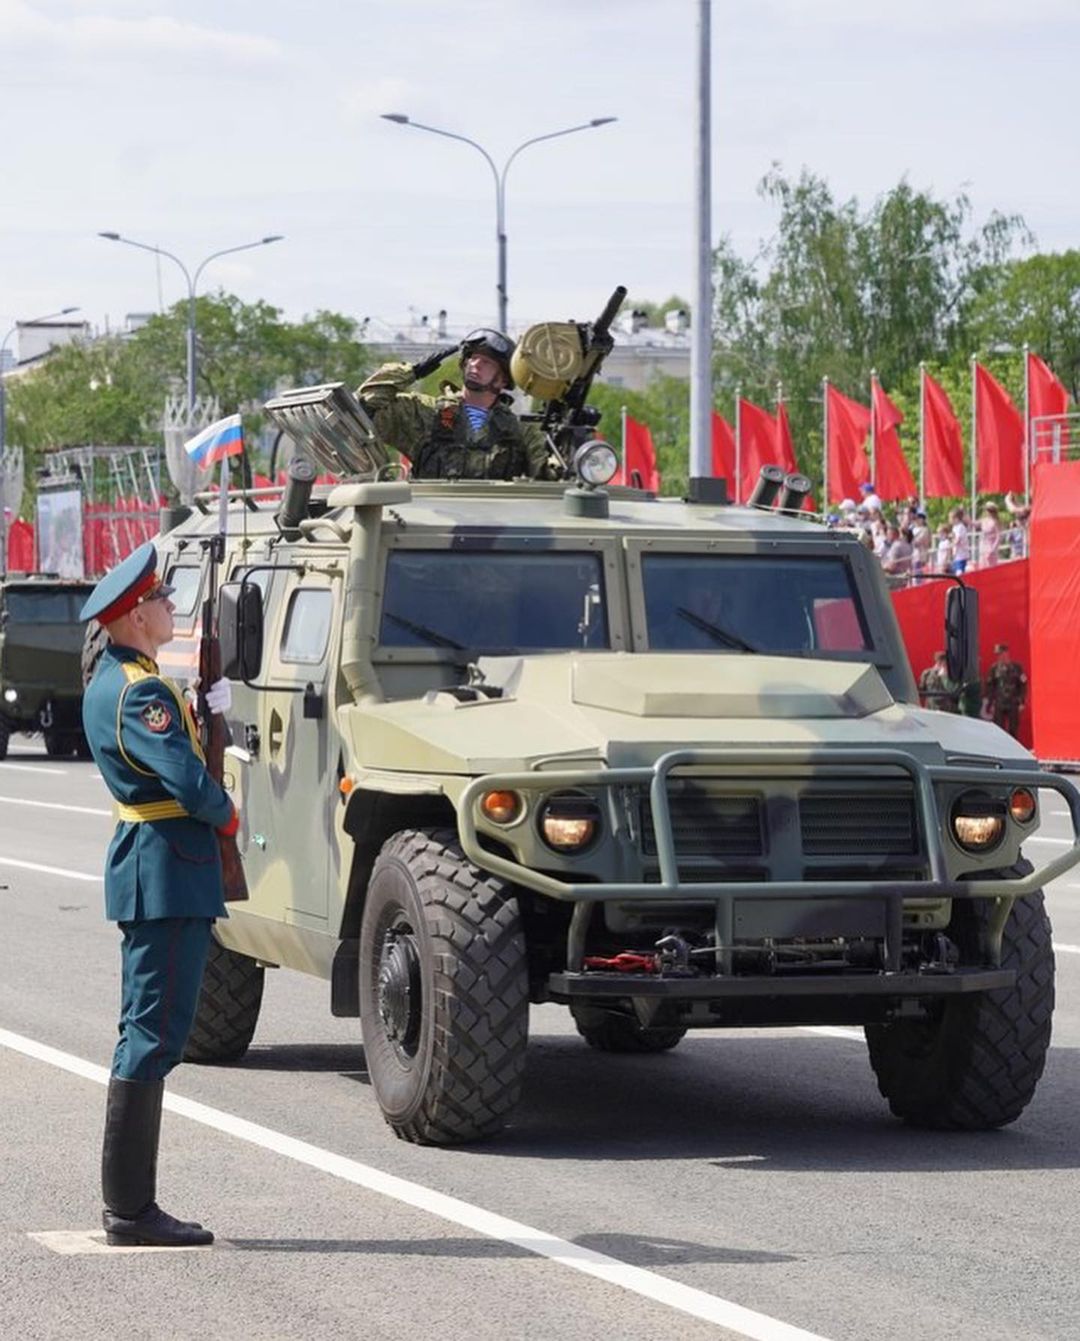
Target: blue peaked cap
(122, 588)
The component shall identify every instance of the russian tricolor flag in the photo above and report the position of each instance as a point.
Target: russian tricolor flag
(225, 438)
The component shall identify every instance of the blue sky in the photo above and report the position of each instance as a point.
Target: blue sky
(196, 126)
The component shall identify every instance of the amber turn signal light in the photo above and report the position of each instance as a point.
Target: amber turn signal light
(1022, 805)
(501, 807)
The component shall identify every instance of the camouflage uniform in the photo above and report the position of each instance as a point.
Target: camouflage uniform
(435, 434)
(1006, 691)
(937, 690)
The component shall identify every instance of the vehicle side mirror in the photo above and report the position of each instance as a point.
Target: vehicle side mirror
(240, 630)
(962, 633)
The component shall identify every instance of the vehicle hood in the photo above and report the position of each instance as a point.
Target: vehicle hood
(626, 709)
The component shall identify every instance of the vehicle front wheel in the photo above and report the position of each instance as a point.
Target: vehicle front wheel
(5, 736)
(975, 1063)
(608, 1032)
(228, 1007)
(443, 991)
(59, 744)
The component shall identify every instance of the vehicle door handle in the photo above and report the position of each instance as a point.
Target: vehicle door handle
(276, 733)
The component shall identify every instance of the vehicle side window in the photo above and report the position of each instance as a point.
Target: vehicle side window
(186, 581)
(307, 627)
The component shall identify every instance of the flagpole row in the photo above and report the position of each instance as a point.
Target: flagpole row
(825, 445)
(974, 443)
(922, 435)
(738, 443)
(873, 429)
(1027, 424)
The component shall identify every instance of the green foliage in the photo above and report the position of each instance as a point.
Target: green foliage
(665, 408)
(111, 391)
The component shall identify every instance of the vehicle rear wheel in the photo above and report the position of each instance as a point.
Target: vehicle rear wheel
(443, 991)
(228, 1007)
(608, 1032)
(975, 1063)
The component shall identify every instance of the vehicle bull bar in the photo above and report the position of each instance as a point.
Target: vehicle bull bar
(724, 893)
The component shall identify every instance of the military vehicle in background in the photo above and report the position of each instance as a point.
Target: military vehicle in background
(659, 760)
(41, 643)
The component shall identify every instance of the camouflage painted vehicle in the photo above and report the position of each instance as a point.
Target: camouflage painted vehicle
(660, 761)
(41, 642)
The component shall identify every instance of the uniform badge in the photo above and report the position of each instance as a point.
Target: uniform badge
(156, 717)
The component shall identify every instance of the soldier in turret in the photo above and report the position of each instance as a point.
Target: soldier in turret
(470, 433)
(1005, 690)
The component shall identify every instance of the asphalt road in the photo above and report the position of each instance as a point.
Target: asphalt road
(754, 1171)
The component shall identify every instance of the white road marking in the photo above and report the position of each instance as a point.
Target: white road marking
(648, 1284)
(52, 805)
(70, 1242)
(48, 870)
(35, 768)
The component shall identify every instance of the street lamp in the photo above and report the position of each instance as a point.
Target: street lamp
(192, 281)
(63, 312)
(400, 119)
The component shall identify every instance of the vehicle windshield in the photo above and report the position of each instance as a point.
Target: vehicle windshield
(734, 603)
(494, 601)
(44, 606)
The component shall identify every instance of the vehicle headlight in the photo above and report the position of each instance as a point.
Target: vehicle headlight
(569, 822)
(978, 821)
(10, 695)
(595, 462)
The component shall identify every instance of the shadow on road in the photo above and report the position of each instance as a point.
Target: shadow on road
(801, 1103)
(631, 1248)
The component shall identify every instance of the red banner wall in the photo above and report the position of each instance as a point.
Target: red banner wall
(1003, 618)
(1055, 610)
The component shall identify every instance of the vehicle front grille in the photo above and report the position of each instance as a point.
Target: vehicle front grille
(706, 824)
(848, 823)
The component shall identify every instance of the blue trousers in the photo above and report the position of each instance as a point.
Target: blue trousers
(162, 964)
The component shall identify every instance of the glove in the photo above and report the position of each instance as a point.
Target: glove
(229, 828)
(219, 696)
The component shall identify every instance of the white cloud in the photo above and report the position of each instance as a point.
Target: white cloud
(26, 29)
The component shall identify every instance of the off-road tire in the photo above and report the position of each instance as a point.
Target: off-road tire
(443, 991)
(975, 1064)
(619, 1033)
(59, 744)
(228, 1007)
(95, 640)
(5, 736)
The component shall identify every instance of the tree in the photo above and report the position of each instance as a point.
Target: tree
(840, 290)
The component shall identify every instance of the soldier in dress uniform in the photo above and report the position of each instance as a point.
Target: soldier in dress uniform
(937, 689)
(468, 434)
(162, 881)
(1005, 690)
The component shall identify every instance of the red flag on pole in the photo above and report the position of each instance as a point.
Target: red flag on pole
(641, 457)
(723, 451)
(849, 425)
(1047, 396)
(892, 474)
(999, 437)
(944, 444)
(757, 444)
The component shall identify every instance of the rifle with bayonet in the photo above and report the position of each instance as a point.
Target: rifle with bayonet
(213, 730)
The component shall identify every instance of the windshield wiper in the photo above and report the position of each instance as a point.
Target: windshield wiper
(432, 636)
(715, 632)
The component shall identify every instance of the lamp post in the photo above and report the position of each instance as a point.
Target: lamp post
(63, 312)
(499, 177)
(191, 280)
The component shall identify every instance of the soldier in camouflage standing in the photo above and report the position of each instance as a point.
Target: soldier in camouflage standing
(937, 689)
(1005, 690)
(468, 434)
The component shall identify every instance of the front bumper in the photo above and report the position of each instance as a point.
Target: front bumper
(927, 781)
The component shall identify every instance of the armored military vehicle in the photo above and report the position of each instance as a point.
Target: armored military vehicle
(658, 760)
(41, 642)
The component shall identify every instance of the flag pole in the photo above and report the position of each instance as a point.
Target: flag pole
(1027, 424)
(974, 442)
(738, 443)
(873, 429)
(622, 420)
(922, 435)
(825, 445)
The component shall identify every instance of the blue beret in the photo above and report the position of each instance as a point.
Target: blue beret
(125, 586)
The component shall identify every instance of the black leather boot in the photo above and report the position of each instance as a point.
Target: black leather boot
(129, 1172)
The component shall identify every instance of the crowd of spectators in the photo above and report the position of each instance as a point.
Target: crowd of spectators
(909, 547)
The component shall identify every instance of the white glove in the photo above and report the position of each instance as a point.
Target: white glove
(219, 696)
